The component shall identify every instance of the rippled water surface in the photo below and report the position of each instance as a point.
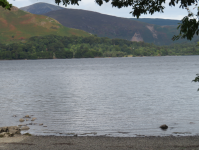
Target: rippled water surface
(102, 96)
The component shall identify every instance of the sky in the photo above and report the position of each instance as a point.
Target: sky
(169, 12)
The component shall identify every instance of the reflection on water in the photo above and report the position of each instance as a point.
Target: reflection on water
(115, 96)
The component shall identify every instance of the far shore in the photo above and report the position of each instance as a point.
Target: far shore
(97, 57)
(99, 143)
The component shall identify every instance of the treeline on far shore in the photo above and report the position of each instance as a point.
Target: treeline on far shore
(52, 46)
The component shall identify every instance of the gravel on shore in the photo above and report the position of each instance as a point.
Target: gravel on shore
(22, 142)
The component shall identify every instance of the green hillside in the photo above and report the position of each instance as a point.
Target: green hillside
(18, 25)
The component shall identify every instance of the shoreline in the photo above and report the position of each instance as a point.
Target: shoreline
(99, 142)
(96, 57)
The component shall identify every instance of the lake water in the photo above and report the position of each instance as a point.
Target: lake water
(102, 96)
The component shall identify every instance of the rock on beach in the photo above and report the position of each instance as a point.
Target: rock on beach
(164, 126)
(9, 131)
(25, 128)
(27, 116)
(14, 130)
(21, 120)
(33, 119)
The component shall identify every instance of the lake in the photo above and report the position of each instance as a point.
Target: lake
(124, 97)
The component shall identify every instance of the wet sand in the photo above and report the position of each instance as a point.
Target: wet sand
(22, 142)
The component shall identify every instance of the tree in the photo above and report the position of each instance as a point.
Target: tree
(196, 79)
(5, 4)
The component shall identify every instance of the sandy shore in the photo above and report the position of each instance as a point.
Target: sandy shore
(22, 142)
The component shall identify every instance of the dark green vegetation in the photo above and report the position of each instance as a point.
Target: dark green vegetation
(52, 46)
(40, 8)
(17, 25)
(158, 21)
(28, 134)
(5, 4)
(196, 79)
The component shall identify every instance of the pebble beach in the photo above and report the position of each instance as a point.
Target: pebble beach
(24, 142)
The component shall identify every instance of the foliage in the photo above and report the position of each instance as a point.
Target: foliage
(189, 25)
(5, 4)
(53, 46)
(1, 136)
(196, 79)
(28, 134)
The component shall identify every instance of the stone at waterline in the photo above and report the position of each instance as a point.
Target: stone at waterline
(21, 120)
(27, 116)
(3, 134)
(6, 134)
(41, 124)
(164, 127)
(14, 130)
(3, 129)
(33, 119)
(25, 128)
(9, 131)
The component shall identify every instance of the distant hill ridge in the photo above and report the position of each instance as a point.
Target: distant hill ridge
(40, 8)
(158, 21)
(18, 25)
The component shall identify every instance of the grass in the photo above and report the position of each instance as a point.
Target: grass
(23, 25)
(1, 136)
(28, 134)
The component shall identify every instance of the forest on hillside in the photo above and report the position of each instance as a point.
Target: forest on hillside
(52, 46)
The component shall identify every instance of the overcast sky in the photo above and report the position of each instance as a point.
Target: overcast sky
(169, 13)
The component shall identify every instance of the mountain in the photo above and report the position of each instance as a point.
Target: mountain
(159, 22)
(17, 24)
(113, 27)
(40, 8)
